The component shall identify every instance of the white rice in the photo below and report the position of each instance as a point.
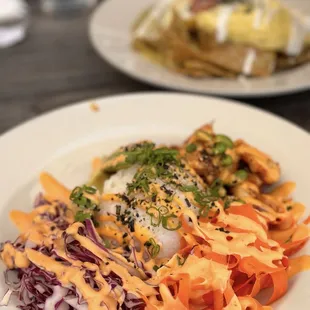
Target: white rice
(117, 183)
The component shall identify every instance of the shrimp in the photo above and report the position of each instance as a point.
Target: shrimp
(259, 162)
(272, 208)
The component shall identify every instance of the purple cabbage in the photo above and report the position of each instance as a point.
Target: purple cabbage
(40, 201)
(37, 288)
(90, 231)
(59, 217)
(34, 287)
(75, 251)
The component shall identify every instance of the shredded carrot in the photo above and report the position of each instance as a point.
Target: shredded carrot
(293, 247)
(301, 233)
(245, 210)
(298, 264)
(284, 190)
(186, 227)
(282, 236)
(307, 220)
(251, 265)
(221, 259)
(297, 210)
(280, 284)
(229, 293)
(54, 189)
(249, 303)
(218, 300)
(184, 290)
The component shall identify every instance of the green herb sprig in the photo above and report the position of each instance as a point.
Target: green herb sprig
(153, 247)
(160, 216)
(155, 164)
(181, 260)
(147, 154)
(86, 206)
(203, 198)
(190, 148)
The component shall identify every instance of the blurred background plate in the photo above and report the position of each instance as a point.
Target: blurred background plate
(109, 33)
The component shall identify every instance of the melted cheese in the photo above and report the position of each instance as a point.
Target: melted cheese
(258, 18)
(270, 26)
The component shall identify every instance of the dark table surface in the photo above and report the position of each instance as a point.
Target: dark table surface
(56, 65)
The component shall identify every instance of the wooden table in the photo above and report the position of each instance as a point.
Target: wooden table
(56, 66)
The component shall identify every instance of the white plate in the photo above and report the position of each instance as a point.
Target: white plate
(63, 142)
(110, 35)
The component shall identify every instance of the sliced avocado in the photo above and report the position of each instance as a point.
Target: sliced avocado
(111, 167)
(98, 179)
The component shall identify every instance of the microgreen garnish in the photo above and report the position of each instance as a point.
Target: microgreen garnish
(204, 211)
(86, 206)
(163, 210)
(203, 136)
(147, 154)
(143, 154)
(215, 188)
(171, 222)
(155, 215)
(107, 243)
(155, 164)
(152, 247)
(77, 196)
(226, 160)
(225, 140)
(81, 216)
(229, 200)
(140, 181)
(190, 148)
(289, 239)
(203, 198)
(160, 216)
(147, 173)
(227, 203)
(181, 260)
(219, 148)
(155, 268)
(241, 175)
